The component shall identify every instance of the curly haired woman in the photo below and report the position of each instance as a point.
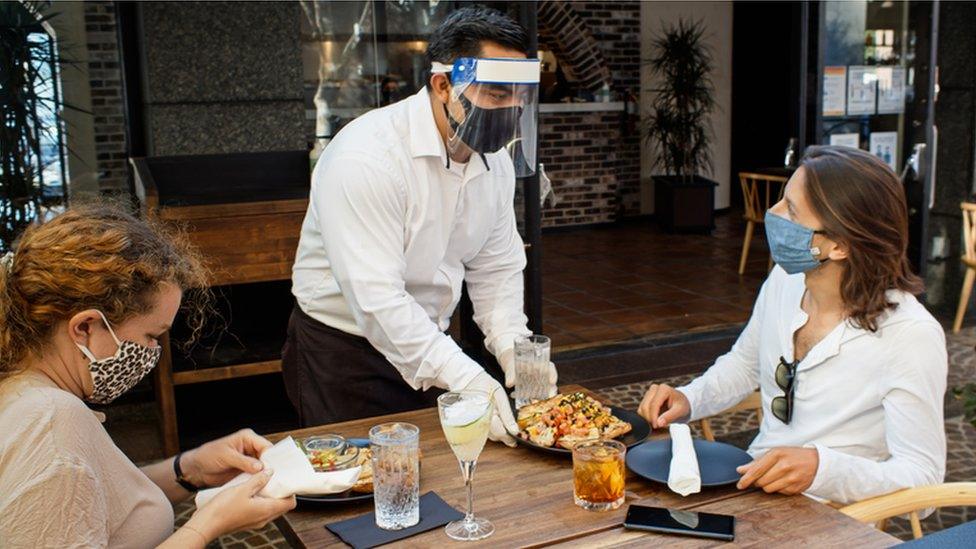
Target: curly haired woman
(83, 303)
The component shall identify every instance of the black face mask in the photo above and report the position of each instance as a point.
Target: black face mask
(485, 130)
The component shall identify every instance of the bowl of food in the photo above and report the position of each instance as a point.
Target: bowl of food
(330, 453)
(362, 490)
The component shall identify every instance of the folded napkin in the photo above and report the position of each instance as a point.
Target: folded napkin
(293, 474)
(684, 477)
(362, 532)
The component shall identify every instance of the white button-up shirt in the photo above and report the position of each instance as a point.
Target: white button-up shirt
(870, 403)
(391, 233)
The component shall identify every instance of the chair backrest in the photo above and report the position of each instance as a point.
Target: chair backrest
(969, 230)
(760, 192)
(751, 402)
(912, 500)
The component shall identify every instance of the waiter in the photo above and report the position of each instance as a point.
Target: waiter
(407, 202)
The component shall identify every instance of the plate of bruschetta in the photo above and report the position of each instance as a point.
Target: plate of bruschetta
(557, 424)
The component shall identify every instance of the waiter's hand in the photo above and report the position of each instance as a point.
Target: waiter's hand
(507, 361)
(503, 426)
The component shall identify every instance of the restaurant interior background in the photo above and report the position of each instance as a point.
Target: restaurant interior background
(212, 115)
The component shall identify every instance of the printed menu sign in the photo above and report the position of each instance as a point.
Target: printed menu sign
(861, 90)
(891, 90)
(834, 91)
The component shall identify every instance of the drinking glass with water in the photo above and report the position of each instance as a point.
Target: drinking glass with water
(531, 369)
(396, 474)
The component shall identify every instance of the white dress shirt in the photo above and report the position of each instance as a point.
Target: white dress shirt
(870, 403)
(391, 233)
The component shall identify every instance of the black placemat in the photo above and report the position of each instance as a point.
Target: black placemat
(361, 532)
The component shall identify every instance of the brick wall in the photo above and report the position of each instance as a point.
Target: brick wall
(616, 27)
(579, 151)
(593, 158)
(567, 34)
(106, 94)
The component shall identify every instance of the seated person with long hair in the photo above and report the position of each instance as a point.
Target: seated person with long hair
(851, 367)
(83, 304)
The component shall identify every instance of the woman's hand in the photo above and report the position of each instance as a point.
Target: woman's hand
(218, 461)
(785, 470)
(663, 405)
(239, 508)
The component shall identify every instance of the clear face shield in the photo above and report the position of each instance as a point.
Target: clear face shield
(494, 105)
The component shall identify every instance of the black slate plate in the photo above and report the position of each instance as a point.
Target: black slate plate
(716, 461)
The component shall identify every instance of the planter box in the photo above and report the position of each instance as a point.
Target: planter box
(243, 211)
(682, 205)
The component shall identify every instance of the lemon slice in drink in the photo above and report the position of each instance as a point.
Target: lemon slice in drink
(466, 426)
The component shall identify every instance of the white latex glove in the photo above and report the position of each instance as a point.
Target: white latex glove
(503, 426)
(507, 361)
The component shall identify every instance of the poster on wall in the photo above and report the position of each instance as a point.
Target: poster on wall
(851, 140)
(861, 90)
(891, 90)
(884, 145)
(834, 91)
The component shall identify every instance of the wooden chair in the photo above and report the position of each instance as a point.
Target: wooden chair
(910, 501)
(751, 402)
(758, 196)
(969, 260)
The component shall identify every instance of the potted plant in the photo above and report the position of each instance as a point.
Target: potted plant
(678, 129)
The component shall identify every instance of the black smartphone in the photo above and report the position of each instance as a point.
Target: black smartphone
(676, 521)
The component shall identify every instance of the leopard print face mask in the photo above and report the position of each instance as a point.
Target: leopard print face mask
(117, 374)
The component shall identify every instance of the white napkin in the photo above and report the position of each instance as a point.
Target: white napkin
(293, 474)
(684, 477)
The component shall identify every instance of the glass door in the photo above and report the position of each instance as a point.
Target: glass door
(360, 55)
(876, 91)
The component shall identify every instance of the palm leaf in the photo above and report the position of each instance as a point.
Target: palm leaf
(677, 130)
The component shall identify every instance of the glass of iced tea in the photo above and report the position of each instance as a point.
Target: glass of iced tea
(598, 474)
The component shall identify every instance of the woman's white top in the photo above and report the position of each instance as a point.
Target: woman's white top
(870, 403)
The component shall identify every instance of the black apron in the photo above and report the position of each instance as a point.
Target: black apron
(332, 376)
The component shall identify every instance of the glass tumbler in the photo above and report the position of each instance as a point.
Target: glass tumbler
(396, 474)
(531, 369)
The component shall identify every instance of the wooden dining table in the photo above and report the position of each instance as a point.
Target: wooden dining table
(528, 496)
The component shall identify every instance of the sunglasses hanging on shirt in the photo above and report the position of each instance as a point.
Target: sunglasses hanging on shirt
(782, 406)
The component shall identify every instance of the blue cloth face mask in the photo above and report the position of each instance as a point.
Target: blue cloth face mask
(791, 244)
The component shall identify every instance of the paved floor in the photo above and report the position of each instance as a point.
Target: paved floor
(741, 427)
(614, 283)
